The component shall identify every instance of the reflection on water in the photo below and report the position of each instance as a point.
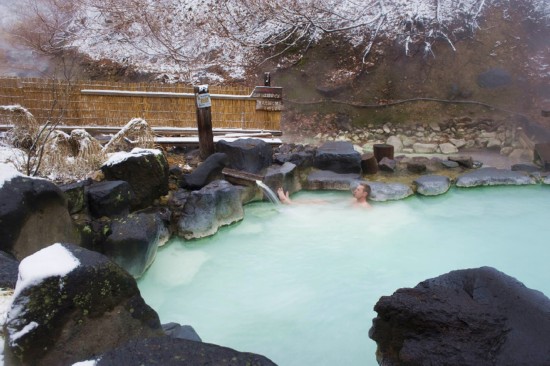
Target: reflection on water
(298, 283)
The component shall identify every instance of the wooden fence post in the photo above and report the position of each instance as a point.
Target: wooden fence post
(204, 121)
(382, 151)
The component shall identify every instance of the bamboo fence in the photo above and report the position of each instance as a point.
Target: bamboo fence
(48, 99)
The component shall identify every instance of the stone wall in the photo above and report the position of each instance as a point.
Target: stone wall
(447, 137)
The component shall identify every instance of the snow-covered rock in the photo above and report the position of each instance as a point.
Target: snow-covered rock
(71, 304)
(146, 170)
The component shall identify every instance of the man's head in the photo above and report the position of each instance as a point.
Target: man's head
(361, 191)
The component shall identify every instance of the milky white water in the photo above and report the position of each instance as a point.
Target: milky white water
(298, 283)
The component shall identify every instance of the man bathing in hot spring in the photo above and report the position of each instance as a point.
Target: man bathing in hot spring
(360, 194)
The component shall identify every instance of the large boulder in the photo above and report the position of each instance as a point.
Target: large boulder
(76, 195)
(448, 148)
(467, 317)
(339, 157)
(282, 176)
(134, 239)
(33, 214)
(465, 161)
(208, 171)
(381, 192)
(109, 198)
(8, 270)
(205, 211)
(176, 330)
(494, 177)
(329, 180)
(146, 170)
(169, 351)
(387, 165)
(432, 185)
(71, 304)
(249, 155)
(300, 155)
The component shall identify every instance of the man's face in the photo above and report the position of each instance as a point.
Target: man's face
(359, 192)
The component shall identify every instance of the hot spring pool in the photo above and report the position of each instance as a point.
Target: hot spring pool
(298, 283)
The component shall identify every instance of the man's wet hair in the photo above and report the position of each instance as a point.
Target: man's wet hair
(366, 187)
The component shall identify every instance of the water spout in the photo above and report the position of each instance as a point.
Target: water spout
(268, 192)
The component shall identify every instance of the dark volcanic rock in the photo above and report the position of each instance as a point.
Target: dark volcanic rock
(109, 198)
(176, 330)
(205, 211)
(468, 317)
(8, 270)
(146, 170)
(329, 180)
(282, 176)
(529, 168)
(302, 159)
(432, 185)
(167, 351)
(416, 167)
(387, 165)
(493, 177)
(339, 157)
(208, 171)
(134, 240)
(465, 161)
(76, 195)
(388, 191)
(450, 164)
(300, 155)
(72, 304)
(249, 155)
(33, 215)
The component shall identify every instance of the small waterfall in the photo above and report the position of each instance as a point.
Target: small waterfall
(268, 192)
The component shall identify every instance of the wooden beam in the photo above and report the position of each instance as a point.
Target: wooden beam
(129, 93)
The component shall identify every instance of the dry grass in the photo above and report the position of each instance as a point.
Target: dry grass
(136, 133)
(25, 126)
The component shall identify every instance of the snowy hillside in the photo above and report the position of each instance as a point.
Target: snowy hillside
(218, 39)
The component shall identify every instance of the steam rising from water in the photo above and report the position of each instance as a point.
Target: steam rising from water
(17, 60)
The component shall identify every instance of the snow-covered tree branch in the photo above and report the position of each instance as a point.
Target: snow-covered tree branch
(188, 35)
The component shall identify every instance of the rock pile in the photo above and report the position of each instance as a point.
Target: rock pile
(447, 137)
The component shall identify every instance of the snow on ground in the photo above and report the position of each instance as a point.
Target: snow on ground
(86, 363)
(7, 173)
(5, 303)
